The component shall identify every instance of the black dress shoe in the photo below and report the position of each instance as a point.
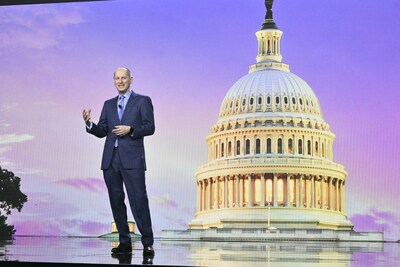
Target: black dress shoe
(148, 251)
(147, 260)
(123, 258)
(122, 249)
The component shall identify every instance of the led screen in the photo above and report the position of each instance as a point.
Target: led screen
(57, 59)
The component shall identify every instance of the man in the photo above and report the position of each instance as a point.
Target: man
(124, 121)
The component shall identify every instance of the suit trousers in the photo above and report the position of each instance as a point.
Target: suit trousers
(134, 180)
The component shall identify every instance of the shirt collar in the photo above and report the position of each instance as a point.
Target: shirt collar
(127, 95)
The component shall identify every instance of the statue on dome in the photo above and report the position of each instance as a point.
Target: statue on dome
(269, 21)
(268, 5)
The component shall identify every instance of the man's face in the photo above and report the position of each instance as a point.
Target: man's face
(122, 81)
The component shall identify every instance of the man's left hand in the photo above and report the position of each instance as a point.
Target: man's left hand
(121, 130)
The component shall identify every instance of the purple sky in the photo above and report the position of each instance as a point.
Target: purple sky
(56, 60)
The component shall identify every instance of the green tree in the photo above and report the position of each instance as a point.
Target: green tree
(11, 198)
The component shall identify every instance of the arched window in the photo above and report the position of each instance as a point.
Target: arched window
(269, 144)
(238, 147)
(294, 101)
(300, 146)
(251, 101)
(260, 100)
(229, 148)
(323, 149)
(268, 100)
(258, 146)
(309, 147)
(285, 100)
(216, 151)
(277, 100)
(280, 150)
(222, 149)
(316, 148)
(247, 148)
(290, 146)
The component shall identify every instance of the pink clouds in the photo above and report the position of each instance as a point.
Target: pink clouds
(375, 220)
(176, 221)
(167, 202)
(44, 206)
(38, 228)
(36, 27)
(61, 228)
(95, 185)
(94, 228)
(14, 138)
(48, 215)
(174, 213)
(164, 200)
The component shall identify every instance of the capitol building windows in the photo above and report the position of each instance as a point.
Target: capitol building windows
(270, 145)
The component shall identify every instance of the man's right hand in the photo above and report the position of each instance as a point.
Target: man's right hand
(86, 116)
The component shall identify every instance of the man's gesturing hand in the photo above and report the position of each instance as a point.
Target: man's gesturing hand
(86, 115)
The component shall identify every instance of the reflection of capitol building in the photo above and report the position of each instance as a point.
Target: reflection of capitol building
(307, 254)
(270, 147)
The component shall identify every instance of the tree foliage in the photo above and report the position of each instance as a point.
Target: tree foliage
(11, 198)
(6, 231)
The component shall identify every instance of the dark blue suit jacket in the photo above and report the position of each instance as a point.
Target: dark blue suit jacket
(139, 115)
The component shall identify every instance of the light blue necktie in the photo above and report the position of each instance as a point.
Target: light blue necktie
(121, 107)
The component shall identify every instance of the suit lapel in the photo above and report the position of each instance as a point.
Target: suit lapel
(128, 106)
(115, 109)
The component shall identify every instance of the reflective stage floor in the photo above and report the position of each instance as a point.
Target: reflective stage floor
(63, 251)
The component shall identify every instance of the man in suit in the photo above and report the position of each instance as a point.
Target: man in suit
(124, 121)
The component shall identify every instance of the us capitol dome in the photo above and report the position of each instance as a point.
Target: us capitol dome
(270, 153)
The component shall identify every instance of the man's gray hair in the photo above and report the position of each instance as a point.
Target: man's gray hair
(125, 69)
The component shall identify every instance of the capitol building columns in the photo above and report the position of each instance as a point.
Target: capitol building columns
(275, 190)
(263, 190)
(322, 184)
(292, 190)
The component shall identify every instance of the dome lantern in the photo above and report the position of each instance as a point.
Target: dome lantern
(269, 44)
